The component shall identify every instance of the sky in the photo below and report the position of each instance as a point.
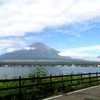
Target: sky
(70, 26)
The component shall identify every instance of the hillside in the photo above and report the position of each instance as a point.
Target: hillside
(36, 51)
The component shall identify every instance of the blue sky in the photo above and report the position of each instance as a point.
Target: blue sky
(71, 26)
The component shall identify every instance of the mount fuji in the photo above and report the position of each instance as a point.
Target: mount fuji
(36, 51)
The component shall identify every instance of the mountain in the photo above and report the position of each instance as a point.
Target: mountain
(36, 51)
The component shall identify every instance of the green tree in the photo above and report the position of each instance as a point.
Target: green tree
(39, 70)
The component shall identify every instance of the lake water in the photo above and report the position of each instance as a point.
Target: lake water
(10, 72)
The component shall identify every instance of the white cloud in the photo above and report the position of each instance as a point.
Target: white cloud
(80, 53)
(86, 9)
(10, 44)
(11, 49)
(80, 50)
(83, 49)
(20, 16)
(32, 38)
(83, 56)
(2, 46)
(28, 48)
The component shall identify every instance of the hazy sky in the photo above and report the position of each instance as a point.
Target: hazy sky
(72, 26)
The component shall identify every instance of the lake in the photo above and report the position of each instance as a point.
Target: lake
(10, 72)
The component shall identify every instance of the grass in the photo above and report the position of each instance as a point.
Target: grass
(38, 92)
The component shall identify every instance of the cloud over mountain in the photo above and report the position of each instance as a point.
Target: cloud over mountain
(20, 16)
(21, 22)
(82, 53)
(36, 51)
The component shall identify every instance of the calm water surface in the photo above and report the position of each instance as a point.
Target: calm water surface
(10, 72)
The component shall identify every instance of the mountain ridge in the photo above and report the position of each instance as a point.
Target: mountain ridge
(36, 51)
